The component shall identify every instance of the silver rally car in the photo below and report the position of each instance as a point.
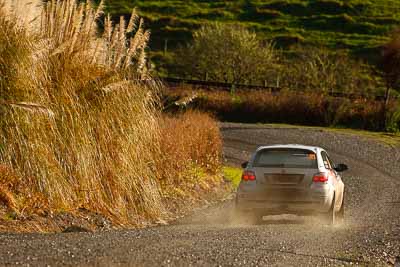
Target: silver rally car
(291, 179)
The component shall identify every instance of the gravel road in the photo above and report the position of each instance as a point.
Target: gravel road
(370, 235)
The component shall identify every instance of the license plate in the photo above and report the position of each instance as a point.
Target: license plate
(284, 178)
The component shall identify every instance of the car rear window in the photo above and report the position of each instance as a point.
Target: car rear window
(285, 158)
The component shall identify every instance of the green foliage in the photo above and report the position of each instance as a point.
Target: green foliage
(390, 62)
(233, 174)
(319, 69)
(228, 53)
(393, 124)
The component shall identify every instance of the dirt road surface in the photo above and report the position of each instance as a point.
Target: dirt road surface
(370, 235)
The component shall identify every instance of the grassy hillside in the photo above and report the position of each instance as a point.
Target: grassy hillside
(358, 25)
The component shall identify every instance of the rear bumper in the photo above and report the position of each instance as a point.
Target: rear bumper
(306, 204)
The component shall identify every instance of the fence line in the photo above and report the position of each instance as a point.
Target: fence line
(273, 89)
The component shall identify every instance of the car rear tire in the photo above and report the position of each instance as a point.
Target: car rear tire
(340, 213)
(330, 216)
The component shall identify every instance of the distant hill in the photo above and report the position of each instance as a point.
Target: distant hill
(361, 26)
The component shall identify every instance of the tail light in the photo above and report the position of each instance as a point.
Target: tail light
(248, 176)
(321, 177)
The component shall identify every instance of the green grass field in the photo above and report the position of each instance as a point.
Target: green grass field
(357, 25)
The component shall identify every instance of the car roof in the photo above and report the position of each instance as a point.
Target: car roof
(293, 146)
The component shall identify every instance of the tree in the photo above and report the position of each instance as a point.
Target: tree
(390, 65)
(228, 53)
(390, 61)
(319, 69)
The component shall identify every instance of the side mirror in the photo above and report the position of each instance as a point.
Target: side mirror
(341, 167)
(244, 164)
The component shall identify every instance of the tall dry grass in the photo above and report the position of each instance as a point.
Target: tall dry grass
(190, 154)
(187, 143)
(79, 127)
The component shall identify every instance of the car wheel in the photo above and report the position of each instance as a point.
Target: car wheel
(340, 213)
(330, 216)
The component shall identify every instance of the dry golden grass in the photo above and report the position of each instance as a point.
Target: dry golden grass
(94, 151)
(79, 127)
(193, 138)
(191, 155)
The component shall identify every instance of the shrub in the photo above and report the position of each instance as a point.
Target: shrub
(317, 69)
(311, 108)
(393, 124)
(229, 53)
(390, 62)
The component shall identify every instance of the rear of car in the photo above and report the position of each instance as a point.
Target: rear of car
(287, 179)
